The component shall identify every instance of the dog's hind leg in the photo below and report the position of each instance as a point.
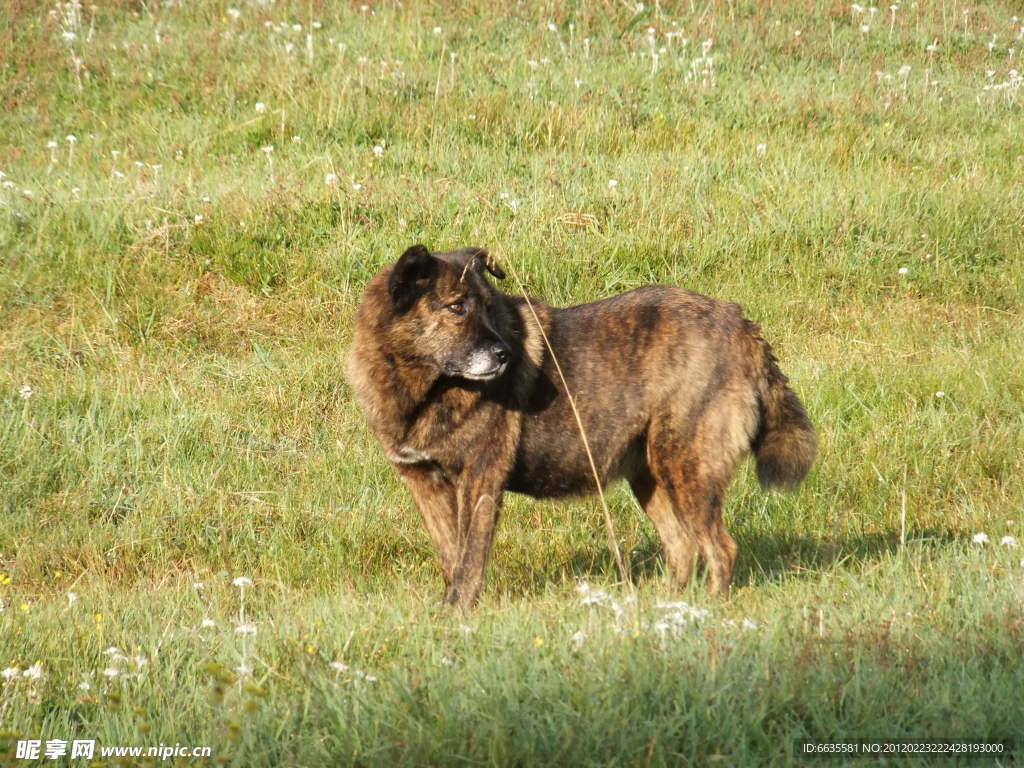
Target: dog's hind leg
(690, 486)
(435, 497)
(718, 546)
(678, 541)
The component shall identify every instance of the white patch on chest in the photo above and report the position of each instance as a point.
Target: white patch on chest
(407, 455)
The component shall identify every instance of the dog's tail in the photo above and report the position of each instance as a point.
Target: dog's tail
(785, 443)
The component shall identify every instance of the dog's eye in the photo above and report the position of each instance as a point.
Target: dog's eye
(457, 308)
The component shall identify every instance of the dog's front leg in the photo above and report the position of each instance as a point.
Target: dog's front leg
(478, 518)
(436, 499)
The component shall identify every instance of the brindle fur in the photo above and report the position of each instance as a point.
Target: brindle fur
(672, 388)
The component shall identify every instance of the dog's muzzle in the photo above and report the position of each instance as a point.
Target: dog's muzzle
(487, 362)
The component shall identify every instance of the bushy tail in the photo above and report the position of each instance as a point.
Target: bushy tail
(785, 444)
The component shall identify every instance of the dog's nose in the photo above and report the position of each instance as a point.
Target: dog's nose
(502, 353)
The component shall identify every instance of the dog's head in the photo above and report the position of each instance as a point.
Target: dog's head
(446, 302)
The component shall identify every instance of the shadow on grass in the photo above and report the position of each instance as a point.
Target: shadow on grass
(763, 557)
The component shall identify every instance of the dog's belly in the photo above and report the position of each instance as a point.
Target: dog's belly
(552, 463)
(551, 479)
(551, 474)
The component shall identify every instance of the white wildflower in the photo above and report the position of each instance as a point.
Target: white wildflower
(1009, 542)
(678, 616)
(591, 596)
(331, 179)
(242, 581)
(245, 629)
(25, 392)
(261, 107)
(980, 538)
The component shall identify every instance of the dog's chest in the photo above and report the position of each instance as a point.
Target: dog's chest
(452, 433)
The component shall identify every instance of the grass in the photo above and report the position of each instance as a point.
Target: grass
(179, 300)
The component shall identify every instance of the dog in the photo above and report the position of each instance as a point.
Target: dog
(473, 392)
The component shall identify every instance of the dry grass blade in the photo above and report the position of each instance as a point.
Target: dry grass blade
(613, 541)
(577, 219)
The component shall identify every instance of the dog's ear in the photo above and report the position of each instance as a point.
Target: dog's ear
(485, 259)
(477, 259)
(410, 277)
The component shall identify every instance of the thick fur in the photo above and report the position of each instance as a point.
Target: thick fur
(672, 388)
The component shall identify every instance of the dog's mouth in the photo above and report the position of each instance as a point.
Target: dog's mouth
(484, 375)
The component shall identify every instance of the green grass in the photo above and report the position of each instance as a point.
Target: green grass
(180, 303)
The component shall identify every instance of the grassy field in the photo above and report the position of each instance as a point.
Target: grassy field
(193, 196)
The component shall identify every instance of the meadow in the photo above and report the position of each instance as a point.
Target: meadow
(200, 542)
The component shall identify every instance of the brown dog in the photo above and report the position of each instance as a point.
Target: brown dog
(460, 387)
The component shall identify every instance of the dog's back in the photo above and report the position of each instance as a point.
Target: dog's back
(651, 355)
